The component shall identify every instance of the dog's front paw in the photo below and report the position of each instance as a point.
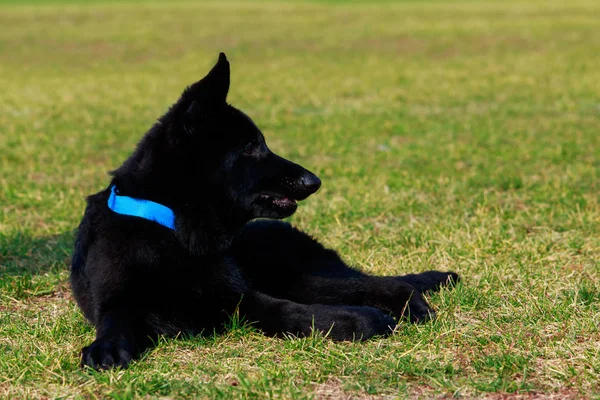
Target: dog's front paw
(430, 281)
(449, 279)
(418, 311)
(105, 354)
(415, 310)
(361, 323)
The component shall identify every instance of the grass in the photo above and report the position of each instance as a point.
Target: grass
(456, 135)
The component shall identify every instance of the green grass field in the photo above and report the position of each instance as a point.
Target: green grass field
(456, 135)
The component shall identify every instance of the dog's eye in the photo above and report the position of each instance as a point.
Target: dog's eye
(249, 149)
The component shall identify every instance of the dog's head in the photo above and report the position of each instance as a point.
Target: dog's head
(225, 153)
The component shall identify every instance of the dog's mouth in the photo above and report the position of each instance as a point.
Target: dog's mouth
(279, 201)
(277, 205)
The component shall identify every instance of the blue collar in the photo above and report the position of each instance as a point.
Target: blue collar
(141, 208)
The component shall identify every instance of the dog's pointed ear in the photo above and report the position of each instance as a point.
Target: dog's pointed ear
(213, 88)
(200, 102)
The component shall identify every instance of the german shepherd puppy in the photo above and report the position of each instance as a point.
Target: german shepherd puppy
(137, 273)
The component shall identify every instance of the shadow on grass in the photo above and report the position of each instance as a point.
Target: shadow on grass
(31, 266)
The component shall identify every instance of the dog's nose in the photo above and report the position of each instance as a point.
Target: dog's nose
(311, 183)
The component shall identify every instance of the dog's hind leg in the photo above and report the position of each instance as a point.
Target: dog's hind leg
(118, 341)
(341, 323)
(112, 301)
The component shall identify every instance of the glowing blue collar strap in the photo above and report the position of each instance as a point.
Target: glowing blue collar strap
(141, 208)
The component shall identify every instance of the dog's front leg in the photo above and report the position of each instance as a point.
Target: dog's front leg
(399, 297)
(385, 293)
(277, 316)
(116, 341)
(430, 281)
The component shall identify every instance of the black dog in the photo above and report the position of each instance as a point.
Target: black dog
(167, 247)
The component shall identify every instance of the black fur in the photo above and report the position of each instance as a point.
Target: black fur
(135, 279)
